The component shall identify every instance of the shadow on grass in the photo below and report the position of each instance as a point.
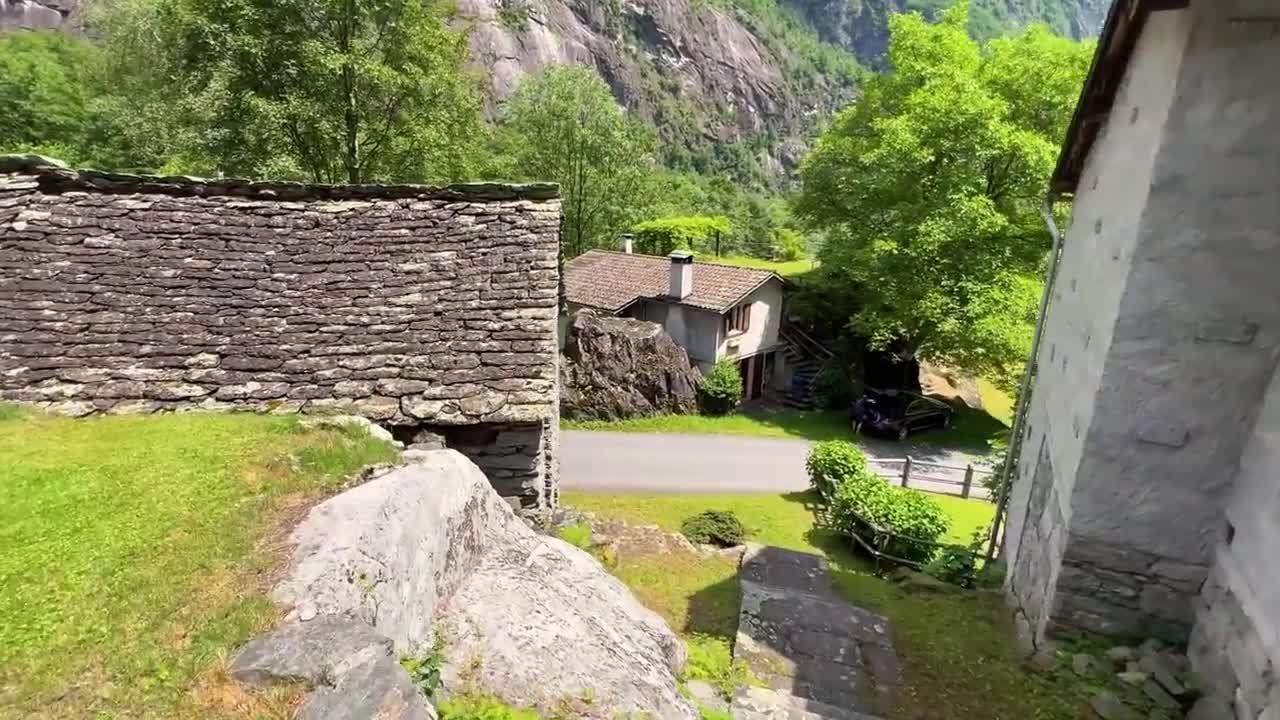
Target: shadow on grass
(970, 430)
(815, 425)
(713, 610)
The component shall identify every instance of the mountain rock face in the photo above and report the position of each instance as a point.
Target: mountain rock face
(862, 26)
(691, 68)
(727, 84)
(41, 14)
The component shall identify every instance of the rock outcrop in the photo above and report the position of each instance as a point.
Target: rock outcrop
(430, 548)
(41, 14)
(621, 368)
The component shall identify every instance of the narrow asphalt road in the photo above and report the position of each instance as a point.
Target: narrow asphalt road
(662, 463)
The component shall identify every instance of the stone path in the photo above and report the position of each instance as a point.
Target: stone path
(821, 657)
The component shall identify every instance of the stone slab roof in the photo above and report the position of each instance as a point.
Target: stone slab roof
(612, 280)
(54, 176)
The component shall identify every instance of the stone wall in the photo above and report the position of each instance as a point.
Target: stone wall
(408, 305)
(1079, 333)
(1168, 460)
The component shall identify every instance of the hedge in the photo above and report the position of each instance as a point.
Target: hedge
(832, 462)
(915, 520)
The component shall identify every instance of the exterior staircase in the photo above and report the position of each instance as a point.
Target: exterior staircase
(806, 358)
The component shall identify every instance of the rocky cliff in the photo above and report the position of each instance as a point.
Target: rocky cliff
(701, 73)
(37, 14)
(735, 86)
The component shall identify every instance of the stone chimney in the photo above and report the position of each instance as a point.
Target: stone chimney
(681, 274)
(626, 243)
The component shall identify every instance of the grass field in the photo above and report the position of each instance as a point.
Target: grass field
(809, 425)
(787, 268)
(959, 660)
(971, 430)
(135, 553)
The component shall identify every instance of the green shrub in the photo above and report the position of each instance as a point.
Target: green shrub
(832, 462)
(578, 536)
(9, 411)
(788, 245)
(721, 388)
(425, 669)
(714, 527)
(914, 518)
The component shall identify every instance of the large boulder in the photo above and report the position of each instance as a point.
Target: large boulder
(615, 368)
(430, 547)
(540, 623)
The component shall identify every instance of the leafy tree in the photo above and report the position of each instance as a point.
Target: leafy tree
(50, 100)
(329, 90)
(563, 125)
(697, 232)
(928, 191)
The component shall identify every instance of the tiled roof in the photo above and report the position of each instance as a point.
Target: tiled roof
(612, 280)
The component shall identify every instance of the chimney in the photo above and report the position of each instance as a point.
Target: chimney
(626, 244)
(681, 274)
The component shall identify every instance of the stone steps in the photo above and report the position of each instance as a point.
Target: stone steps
(819, 655)
(765, 704)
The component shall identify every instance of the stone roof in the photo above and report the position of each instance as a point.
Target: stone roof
(612, 280)
(54, 176)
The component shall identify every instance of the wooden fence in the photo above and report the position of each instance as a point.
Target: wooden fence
(962, 480)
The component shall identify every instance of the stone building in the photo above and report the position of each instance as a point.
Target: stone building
(1147, 495)
(429, 310)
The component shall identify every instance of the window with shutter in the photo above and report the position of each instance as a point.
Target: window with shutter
(738, 319)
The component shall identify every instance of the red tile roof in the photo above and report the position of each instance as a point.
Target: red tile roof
(612, 280)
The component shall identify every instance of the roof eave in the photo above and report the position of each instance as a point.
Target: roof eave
(1115, 48)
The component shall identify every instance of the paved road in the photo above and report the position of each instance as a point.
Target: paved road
(653, 462)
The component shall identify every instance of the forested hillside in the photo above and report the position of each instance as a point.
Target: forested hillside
(722, 98)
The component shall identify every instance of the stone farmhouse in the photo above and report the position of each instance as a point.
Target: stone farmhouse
(431, 311)
(714, 311)
(1146, 500)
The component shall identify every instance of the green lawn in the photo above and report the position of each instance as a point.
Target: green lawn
(785, 268)
(971, 430)
(809, 425)
(959, 659)
(133, 556)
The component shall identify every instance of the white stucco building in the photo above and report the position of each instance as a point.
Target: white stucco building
(1146, 500)
(714, 311)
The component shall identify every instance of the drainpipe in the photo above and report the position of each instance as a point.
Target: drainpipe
(1024, 391)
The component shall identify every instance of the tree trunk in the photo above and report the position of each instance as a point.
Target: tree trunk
(351, 120)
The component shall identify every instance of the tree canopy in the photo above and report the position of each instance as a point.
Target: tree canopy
(564, 125)
(928, 190)
(697, 232)
(330, 90)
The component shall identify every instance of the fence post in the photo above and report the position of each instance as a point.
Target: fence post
(968, 482)
(906, 470)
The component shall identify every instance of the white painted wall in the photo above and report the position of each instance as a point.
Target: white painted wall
(1096, 259)
(697, 331)
(1248, 562)
(766, 320)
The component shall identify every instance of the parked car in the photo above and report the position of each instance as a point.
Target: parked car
(898, 413)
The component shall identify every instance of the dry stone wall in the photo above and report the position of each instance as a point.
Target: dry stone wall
(407, 305)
